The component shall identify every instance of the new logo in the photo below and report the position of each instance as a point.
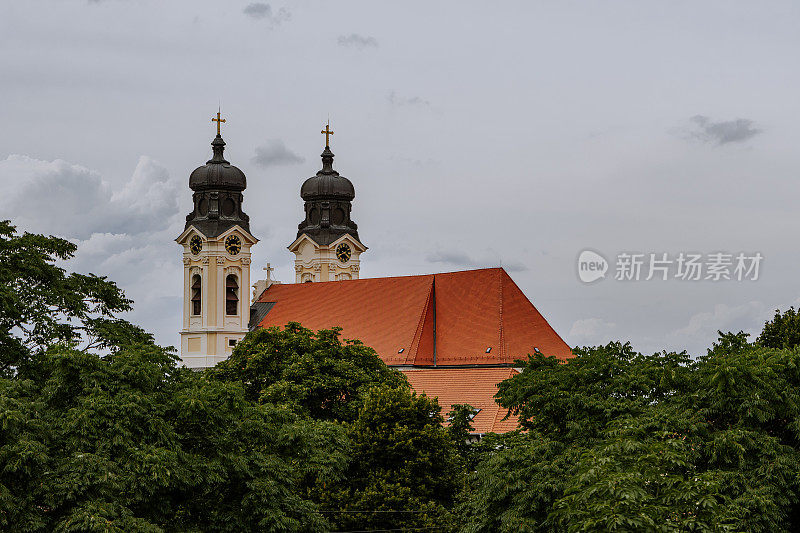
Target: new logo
(591, 266)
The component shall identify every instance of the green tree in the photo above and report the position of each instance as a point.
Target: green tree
(130, 442)
(642, 477)
(783, 331)
(403, 473)
(40, 303)
(722, 457)
(403, 469)
(576, 400)
(516, 483)
(459, 427)
(566, 409)
(313, 373)
(620, 441)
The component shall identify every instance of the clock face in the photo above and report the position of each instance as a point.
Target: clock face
(233, 244)
(343, 252)
(195, 244)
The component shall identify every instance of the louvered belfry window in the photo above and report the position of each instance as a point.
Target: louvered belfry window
(231, 295)
(197, 302)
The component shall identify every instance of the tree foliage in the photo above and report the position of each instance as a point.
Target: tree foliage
(402, 466)
(576, 400)
(403, 470)
(40, 303)
(129, 442)
(618, 441)
(783, 331)
(313, 373)
(102, 431)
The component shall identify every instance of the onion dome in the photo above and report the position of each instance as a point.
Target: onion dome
(217, 197)
(217, 173)
(327, 183)
(328, 200)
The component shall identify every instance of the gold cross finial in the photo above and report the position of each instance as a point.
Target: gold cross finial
(218, 120)
(327, 131)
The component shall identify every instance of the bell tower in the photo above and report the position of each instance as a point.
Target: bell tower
(216, 261)
(327, 247)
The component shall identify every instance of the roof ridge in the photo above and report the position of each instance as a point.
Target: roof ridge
(503, 347)
(417, 339)
(499, 408)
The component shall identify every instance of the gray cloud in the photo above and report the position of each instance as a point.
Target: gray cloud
(43, 195)
(407, 100)
(453, 258)
(460, 259)
(275, 153)
(723, 132)
(355, 40)
(260, 10)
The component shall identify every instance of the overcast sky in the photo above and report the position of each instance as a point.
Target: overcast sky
(475, 133)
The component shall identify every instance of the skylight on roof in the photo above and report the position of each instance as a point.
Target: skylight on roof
(489, 349)
(401, 350)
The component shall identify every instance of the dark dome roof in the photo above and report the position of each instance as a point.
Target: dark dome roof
(217, 173)
(327, 183)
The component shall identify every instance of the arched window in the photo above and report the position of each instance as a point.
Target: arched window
(231, 295)
(197, 302)
(306, 278)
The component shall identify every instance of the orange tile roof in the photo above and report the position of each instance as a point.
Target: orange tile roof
(385, 313)
(455, 316)
(473, 386)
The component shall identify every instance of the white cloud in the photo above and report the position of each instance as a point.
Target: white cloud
(591, 331)
(149, 192)
(100, 245)
(702, 328)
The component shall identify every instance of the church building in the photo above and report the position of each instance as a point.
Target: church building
(455, 335)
